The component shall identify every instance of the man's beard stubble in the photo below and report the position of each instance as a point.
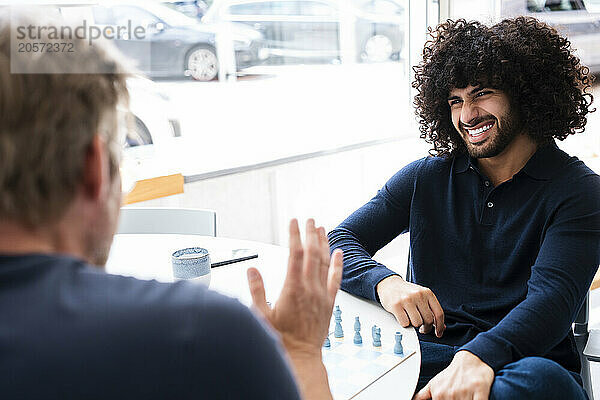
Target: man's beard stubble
(495, 145)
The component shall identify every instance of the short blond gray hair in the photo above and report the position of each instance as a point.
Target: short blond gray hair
(47, 124)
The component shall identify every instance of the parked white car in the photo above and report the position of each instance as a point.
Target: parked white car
(154, 121)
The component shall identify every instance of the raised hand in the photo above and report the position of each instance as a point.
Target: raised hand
(302, 313)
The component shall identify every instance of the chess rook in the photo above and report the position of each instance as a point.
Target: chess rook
(398, 345)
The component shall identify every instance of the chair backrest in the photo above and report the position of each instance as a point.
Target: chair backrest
(168, 220)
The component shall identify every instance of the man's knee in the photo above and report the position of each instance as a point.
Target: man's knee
(535, 378)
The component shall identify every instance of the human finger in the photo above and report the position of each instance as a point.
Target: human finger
(312, 256)
(438, 315)
(325, 257)
(334, 277)
(296, 257)
(424, 394)
(257, 291)
(401, 315)
(413, 315)
(427, 316)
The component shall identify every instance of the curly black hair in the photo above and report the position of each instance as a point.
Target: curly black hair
(525, 58)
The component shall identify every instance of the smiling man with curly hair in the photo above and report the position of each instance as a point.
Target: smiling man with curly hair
(504, 226)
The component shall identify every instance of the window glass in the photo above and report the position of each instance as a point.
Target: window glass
(592, 6)
(265, 8)
(138, 17)
(554, 5)
(317, 9)
(382, 7)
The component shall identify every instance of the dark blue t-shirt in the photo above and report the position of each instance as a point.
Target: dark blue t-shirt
(69, 330)
(510, 265)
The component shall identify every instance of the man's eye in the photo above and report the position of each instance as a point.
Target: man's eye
(454, 102)
(482, 93)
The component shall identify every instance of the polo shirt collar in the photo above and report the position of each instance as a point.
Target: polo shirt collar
(543, 165)
(462, 162)
(545, 162)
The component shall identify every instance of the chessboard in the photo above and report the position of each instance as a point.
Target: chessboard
(352, 368)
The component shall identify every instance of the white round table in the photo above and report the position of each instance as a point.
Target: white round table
(148, 256)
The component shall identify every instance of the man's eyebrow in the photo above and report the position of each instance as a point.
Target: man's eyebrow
(471, 93)
(475, 90)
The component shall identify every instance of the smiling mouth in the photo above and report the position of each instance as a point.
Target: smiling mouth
(479, 133)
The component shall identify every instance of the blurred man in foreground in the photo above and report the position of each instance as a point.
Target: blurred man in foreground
(69, 330)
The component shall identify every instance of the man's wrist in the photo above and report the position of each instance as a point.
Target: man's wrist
(384, 283)
(471, 359)
(309, 370)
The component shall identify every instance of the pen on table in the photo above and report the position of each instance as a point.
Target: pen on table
(233, 260)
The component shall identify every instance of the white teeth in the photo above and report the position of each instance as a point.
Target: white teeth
(479, 131)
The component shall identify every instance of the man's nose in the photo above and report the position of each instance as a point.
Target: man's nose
(468, 114)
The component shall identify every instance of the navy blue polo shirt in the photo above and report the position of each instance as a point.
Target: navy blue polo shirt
(70, 331)
(510, 265)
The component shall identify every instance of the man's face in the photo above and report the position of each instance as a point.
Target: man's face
(106, 211)
(484, 118)
(107, 224)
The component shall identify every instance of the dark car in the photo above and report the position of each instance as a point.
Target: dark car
(312, 31)
(191, 8)
(173, 45)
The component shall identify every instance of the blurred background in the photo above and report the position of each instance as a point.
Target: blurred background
(273, 109)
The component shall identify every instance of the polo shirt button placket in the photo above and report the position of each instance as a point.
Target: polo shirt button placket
(487, 216)
(487, 183)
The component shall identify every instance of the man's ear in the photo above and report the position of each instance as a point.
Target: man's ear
(95, 169)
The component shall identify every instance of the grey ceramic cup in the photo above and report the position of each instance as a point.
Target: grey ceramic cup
(192, 263)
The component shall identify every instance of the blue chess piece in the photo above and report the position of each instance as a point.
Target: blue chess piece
(338, 331)
(376, 336)
(327, 343)
(373, 330)
(357, 337)
(398, 346)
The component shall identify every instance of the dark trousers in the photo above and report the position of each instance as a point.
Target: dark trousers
(529, 378)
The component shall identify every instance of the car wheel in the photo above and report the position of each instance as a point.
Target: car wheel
(201, 64)
(378, 48)
(139, 136)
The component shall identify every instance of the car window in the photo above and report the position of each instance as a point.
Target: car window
(137, 16)
(266, 8)
(383, 7)
(76, 14)
(317, 8)
(103, 15)
(554, 5)
(592, 5)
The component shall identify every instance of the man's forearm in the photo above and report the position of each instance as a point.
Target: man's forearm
(361, 272)
(311, 375)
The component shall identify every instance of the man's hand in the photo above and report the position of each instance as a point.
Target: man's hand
(303, 311)
(411, 304)
(467, 377)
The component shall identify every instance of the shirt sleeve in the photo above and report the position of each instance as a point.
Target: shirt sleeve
(559, 281)
(370, 228)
